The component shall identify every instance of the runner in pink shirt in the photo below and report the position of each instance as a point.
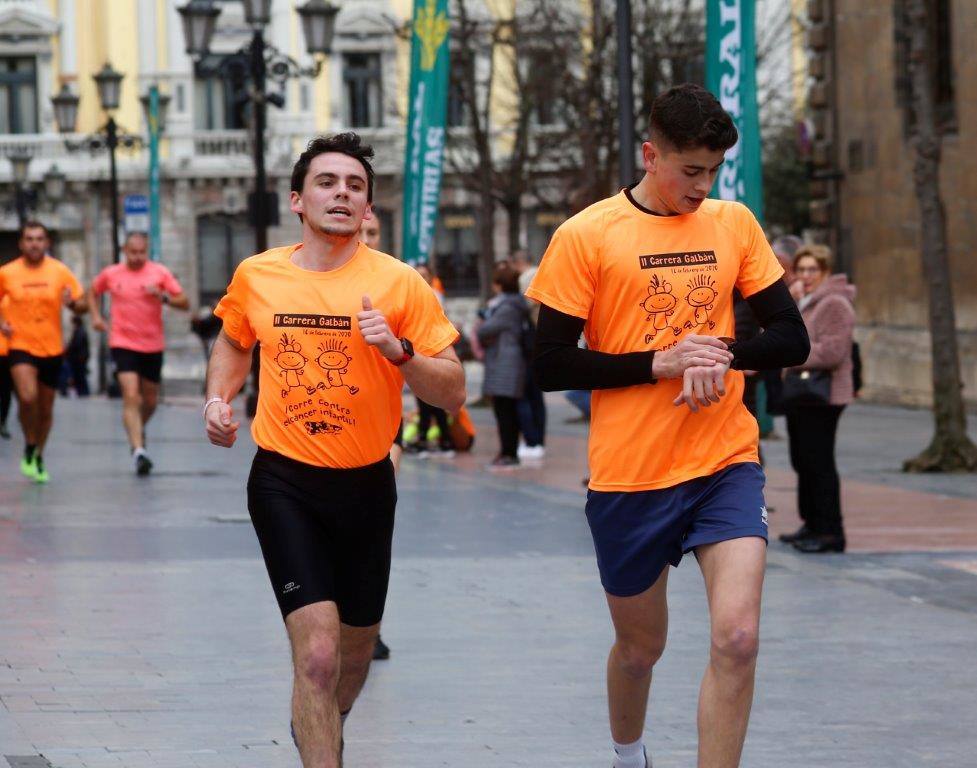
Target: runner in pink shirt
(138, 288)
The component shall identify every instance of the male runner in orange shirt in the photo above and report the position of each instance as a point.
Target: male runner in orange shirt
(38, 286)
(649, 274)
(341, 327)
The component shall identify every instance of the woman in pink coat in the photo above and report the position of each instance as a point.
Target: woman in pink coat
(823, 386)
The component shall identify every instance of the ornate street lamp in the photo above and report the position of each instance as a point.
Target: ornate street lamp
(199, 20)
(20, 160)
(65, 109)
(318, 25)
(55, 183)
(163, 103)
(109, 84)
(257, 12)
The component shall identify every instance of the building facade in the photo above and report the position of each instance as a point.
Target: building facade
(866, 205)
(206, 167)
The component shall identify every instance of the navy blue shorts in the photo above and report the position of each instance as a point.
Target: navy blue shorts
(637, 534)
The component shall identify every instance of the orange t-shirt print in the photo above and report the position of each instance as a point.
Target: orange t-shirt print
(327, 398)
(644, 282)
(35, 304)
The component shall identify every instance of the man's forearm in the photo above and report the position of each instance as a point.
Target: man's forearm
(79, 306)
(228, 369)
(179, 301)
(437, 381)
(93, 305)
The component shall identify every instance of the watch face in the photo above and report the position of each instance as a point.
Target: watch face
(408, 347)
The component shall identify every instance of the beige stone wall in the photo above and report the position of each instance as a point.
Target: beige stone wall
(879, 216)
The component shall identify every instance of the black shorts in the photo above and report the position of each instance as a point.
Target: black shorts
(325, 534)
(149, 365)
(399, 439)
(48, 368)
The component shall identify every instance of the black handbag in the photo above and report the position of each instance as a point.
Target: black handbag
(806, 388)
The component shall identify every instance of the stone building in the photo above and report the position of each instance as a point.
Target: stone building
(865, 203)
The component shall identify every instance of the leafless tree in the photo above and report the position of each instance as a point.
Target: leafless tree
(950, 449)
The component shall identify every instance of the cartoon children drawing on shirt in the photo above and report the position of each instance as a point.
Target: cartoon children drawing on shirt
(660, 303)
(292, 362)
(702, 297)
(334, 359)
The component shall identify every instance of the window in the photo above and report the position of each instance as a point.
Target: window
(18, 95)
(223, 242)
(456, 253)
(941, 66)
(364, 94)
(542, 71)
(218, 82)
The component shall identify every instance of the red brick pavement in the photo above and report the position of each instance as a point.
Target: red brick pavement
(878, 518)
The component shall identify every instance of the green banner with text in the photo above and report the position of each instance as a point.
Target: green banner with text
(731, 76)
(426, 130)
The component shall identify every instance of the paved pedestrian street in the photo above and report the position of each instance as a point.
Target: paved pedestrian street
(137, 627)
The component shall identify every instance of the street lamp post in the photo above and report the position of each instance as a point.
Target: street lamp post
(20, 160)
(265, 62)
(111, 136)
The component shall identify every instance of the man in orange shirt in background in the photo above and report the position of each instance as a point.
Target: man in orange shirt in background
(38, 286)
(341, 327)
(648, 275)
(139, 288)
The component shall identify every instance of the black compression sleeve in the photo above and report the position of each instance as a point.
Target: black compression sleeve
(784, 340)
(560, 364)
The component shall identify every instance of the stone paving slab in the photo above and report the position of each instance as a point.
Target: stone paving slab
(137, 630)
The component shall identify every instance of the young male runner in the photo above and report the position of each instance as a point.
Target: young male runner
(139, 288)
(649, 276)
(37, 286)
(341, 326)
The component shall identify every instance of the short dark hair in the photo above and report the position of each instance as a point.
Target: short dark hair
(345, 144)
(687, 116)
(507, 278)
(32, 224)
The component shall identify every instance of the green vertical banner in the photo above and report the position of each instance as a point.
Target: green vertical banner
(426, 129)
(731, 76)
(155, 245)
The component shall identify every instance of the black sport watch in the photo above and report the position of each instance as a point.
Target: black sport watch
(408, 352)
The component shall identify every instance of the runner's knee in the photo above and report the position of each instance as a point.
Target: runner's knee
(317, 661)
(736, 642)
(636, 658)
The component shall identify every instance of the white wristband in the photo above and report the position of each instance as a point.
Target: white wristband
(211, 402)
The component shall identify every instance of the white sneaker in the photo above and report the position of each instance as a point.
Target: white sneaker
(531, 452)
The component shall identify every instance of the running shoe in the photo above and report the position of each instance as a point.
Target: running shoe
(144, 464)
(503, 464)
(381, 651)
(41, 475)
(28, 468)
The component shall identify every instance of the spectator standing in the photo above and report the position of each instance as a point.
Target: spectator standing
(815, 394)
(505, 363)
(77, 354)
(531, 406)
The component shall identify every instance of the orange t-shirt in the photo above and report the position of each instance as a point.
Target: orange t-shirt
(644, 282)
(4, 341)
(34, 311)
(326, 397)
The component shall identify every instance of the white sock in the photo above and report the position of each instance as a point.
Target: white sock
(629, 755)
(137, 452)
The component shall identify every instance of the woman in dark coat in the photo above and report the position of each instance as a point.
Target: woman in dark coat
(501, 335)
